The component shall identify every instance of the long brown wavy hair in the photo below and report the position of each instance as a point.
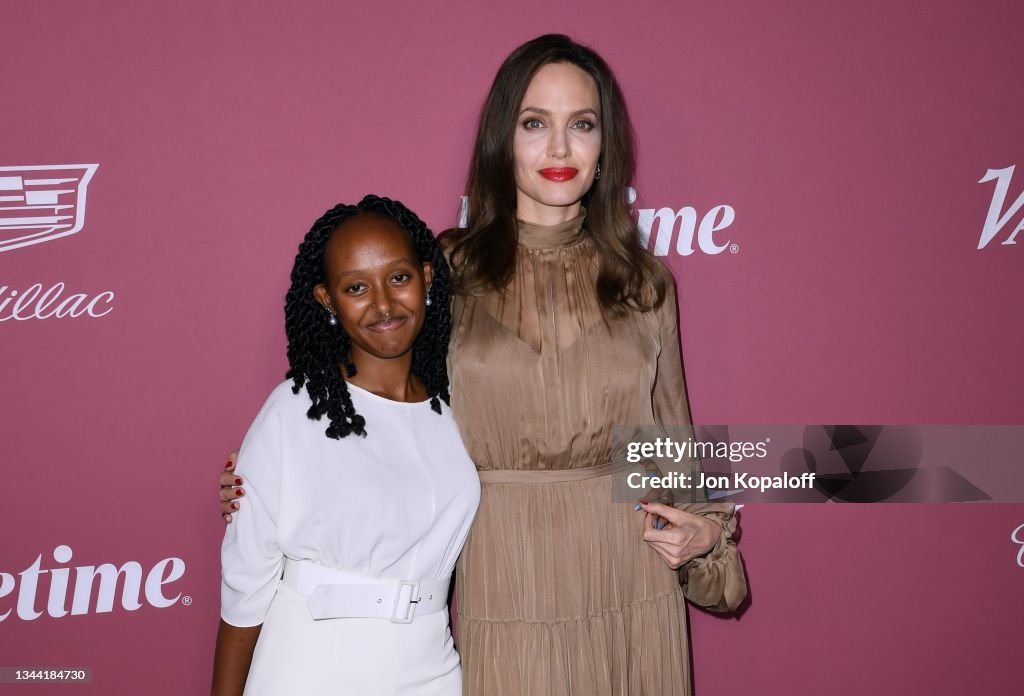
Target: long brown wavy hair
(483, 254)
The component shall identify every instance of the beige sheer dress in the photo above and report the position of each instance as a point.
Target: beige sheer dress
(557, 592)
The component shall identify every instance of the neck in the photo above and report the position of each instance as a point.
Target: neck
(546, 215)
(390, 378)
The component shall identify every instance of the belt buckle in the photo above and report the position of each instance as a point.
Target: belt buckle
(406, 598)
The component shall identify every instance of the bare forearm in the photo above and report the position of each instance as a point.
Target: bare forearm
(232, 658)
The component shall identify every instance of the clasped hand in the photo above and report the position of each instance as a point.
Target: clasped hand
(684, 537)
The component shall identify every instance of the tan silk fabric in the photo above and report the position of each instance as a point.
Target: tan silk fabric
(557, 592)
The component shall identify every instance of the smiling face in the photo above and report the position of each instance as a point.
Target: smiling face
(557, 144)
(375, 286)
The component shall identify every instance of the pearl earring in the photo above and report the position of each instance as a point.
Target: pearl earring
(429, 302)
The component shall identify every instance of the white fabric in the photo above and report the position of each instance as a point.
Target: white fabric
(296, 656)
(336, 594)
(395, 505)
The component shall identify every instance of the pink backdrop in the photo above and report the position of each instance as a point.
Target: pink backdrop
(847, 140)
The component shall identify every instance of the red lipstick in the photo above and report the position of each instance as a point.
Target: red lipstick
(559, 173)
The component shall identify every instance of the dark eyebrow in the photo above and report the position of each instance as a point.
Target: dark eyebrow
(358, 271)
(545, 112)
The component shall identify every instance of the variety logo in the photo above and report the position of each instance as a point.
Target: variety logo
(1017, 537)
(685, 233)
(101, 581)
(42, 203)
(996, 221)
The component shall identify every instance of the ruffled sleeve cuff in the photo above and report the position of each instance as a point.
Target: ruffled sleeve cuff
(715, 581)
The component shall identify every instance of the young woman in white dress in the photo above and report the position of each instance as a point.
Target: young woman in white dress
(361, 494)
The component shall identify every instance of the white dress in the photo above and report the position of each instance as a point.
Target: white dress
(394, 505)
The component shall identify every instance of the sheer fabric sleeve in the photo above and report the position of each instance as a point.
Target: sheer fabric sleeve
(715, 581)
(251, 559)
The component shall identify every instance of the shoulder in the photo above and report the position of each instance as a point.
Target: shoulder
(659, 275)
(284, 402)
(284, 394)
(667, 312)
(263, 444)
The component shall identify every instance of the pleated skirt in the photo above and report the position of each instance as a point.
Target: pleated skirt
(297, 655)
(559, 595)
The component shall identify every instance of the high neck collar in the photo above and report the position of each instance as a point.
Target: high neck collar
(563, 234)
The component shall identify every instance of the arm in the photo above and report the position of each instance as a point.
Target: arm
(251, 558)
(716, 581)
(698, 541)
(232, 659)
(699, 538)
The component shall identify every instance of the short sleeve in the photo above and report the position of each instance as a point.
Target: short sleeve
(251, 558)
(715, 581)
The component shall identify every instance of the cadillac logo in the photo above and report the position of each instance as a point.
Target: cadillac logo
(42, 203)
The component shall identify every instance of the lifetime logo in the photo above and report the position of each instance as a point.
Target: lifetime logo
(995, 222)
(133, 588)
(715, 220)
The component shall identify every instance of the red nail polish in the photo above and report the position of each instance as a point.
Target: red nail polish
(238, 482)
(239, 492)
(227, 465)
(234, 506)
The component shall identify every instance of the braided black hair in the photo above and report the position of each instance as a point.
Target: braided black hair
(316, 349)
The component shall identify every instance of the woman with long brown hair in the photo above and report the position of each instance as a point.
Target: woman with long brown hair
(563, 326)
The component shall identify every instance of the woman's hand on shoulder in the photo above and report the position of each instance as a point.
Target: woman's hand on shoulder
(683, 537)
(230, 488)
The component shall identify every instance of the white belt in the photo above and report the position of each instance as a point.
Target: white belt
(334, 594)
